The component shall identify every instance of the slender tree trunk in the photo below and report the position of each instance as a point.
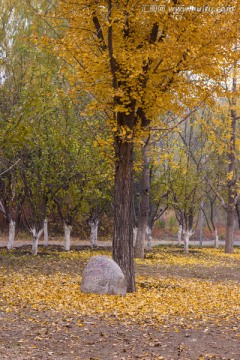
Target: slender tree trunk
(215, 224)
(123, 211)
(201, 224)
(144, 207)
(232, 167)
(94, 232)
(229, 232)
(216, 238)
(36, 236)
(230, 207)
(45, 231)
(11, 235)
(149, 237)
(180, 230)
(186, 236)
(214, 221)
(67, 236)
(135, 231)
(231, 190)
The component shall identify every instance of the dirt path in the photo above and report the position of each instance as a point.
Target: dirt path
(52, 336)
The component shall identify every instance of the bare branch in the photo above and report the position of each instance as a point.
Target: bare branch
(4, 172)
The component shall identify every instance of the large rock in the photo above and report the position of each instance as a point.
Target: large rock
(103, 276)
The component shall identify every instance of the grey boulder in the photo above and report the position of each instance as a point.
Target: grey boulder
(102, 275)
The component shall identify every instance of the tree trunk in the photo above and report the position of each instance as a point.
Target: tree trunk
(186, 236)
(140, 240)
(67, 236)
(94, 232)
(201, 224)
(11, 235)
(216, 238)
(36, 236)
(180, 230)
(229, 232)
(45, 232)
(135, 231)
(149, 237)
(144, 207)
(123, 211)
(232, 180)
(215, 224)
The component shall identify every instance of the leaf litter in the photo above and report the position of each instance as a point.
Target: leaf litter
(171, 305)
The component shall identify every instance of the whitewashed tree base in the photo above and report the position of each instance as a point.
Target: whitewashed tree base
(11, 235)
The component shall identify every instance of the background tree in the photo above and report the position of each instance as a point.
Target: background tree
(220, 170)
(12, 198)
(21, 91)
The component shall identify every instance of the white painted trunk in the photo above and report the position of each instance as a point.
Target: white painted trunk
(67, 236)
(135, 231)
(36, 236)
(140, 241)
(94, 232)
(45, 232)
(216, 240)
(186, 236)
(201, 224)
(11, 235)
(149, 237)
(180, 230)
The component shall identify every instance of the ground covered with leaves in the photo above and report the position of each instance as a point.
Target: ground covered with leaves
(185, 307)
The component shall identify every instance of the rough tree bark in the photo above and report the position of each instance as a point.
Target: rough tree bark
(123, 211)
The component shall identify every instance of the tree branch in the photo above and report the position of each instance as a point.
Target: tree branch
(99, 32)
(4, 172)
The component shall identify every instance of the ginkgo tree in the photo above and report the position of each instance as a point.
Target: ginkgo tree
(137, 65)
